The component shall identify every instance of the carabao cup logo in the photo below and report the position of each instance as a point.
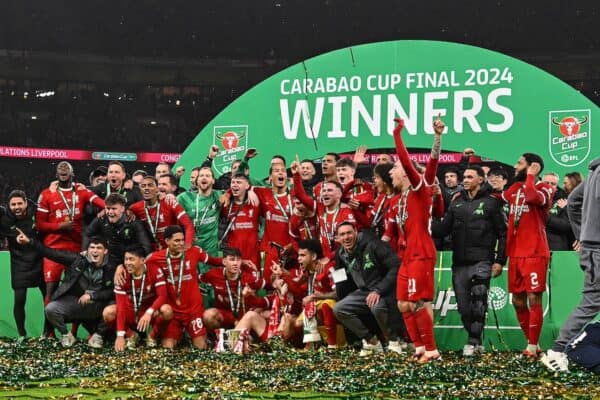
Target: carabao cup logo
(229, 140)
(232, 141)
(569, 126)
(569, 135)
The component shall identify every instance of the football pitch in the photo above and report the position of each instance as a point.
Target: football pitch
(43, 369)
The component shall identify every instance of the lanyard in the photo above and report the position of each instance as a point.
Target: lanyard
(70, 210)
(378, 213)
(281, 208)
(307, 228)
(198, 209)
(137, 302)
(402, 214)
(180, 278)
(232, 221)
(153, 229)
(311, 283)
(518, 210)
(235, 309)
(119, 190)
(330, 233)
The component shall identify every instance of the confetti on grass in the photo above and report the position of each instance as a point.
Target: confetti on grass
(43, 369)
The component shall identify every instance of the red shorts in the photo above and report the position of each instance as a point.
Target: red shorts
(54, 270)
(191, 322)
(527, 274)
(228, 318)
(415, 280)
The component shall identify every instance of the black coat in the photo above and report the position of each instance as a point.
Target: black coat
(25, 260)
(372, 266)
(75, 265)
(478, 229)
(558, 229)
(132, 195)
(118, 235)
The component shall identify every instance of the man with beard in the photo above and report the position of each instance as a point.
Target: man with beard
(476, 222)
(329, 209)
(25, 260)
(329, 171)
(527, 246)
(168, 184)
(116, 230)
(204, 208)
(304, 224)
(558, 228)
(115, 183)
(241, 221)
(277, 209)
(85, 291)
(59, 218)
(414, 289)
(193, 177)
(178, 265)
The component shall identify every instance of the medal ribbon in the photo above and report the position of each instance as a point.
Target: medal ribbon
(180, 278)
(235, 310)
(137, 302)
(282, 209)
(153, 229)
(70, 210)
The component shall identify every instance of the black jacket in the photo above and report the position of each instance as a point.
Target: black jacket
(25, 260)
(75, 266)
(558, 229)
(118, 235)
(132, 195)
(372, 266)
(477, 226)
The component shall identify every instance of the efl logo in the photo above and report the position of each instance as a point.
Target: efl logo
(232, 141)
(569, 136)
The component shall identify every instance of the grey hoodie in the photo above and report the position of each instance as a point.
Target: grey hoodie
(584, 208)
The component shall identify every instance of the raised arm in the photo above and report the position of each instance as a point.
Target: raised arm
(299, 188)
(413, 175)
(538, 196)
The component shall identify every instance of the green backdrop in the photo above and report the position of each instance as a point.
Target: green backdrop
(339, 100)
(565, 283)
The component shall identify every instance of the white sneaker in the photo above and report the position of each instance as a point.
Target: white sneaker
(67, 340)
(468, 350)
(96, 341)
(555, 361)
(368, 348)
(396, 346)
(480, 349)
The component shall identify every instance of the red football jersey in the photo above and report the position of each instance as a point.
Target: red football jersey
(377, 213)
(328, 220)
(216, 278)
(167, 215)
(529, 207)
(276, 210)
(190, 299)
(153, 295)
(392, 230)
(243, 229)
(61, 206)
(414, 207)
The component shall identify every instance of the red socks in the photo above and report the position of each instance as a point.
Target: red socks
(330, 323)
(410, 322)
(536, 320)
(523, 317)
(425, 326)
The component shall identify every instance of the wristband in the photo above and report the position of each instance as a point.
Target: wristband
(121, 334)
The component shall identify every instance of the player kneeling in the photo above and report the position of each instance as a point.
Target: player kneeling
(140, 301)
